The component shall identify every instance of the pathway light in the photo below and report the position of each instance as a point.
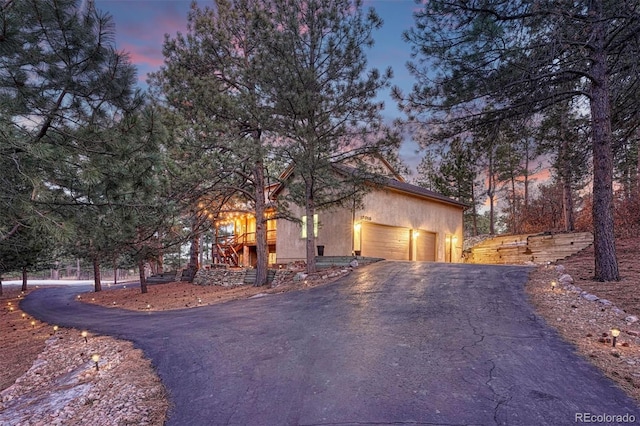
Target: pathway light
(95, 358)
(84, 335)
(615, 332)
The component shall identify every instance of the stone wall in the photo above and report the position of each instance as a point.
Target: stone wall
(224, 277)
(527, 248)
(282, 275)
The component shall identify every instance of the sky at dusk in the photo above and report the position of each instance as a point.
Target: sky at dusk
(142, 24)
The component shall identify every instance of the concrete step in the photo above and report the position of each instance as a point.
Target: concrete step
(250, 276)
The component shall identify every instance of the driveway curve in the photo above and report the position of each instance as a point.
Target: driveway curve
(392, 343)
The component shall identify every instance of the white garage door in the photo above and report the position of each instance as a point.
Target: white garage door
(388, 242)
(425, 246)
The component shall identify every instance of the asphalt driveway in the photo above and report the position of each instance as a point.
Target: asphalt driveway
(393, 343)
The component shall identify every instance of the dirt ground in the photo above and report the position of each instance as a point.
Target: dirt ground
(584, 323)
(587, 324)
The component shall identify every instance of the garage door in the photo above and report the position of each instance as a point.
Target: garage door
(388, 242)
(426, 246)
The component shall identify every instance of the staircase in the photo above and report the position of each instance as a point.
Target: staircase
(228, 249)
(250, 276)
(323, 262)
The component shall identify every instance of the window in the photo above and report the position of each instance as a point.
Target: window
(304, 226)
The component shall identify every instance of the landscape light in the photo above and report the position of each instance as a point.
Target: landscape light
(553, 284)
(33, 324)
(9, 303)
(615, 332)
(84, 335)
(78, 297)
(24, 316)
(55, 328)
(11, 309)
(148, 306)
(95, 358)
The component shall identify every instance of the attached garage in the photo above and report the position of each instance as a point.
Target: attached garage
(388, 242)
(425, 246)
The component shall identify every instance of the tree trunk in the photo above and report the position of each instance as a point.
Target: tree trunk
(514, 209)
(194, 251)
(96, 274)
(474, 210)
(310, 243)
(606, 264)
(24, 278)
(261, 231)
(490, 194)
(143, 277)
(526, 177)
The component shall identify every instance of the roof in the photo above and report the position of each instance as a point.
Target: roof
(421, 192)
(386, 182)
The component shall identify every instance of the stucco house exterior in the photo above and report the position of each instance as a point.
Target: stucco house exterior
(395, 221)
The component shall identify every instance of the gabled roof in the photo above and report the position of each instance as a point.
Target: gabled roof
(396, 183)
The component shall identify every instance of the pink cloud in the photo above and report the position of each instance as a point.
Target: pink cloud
(148, 55)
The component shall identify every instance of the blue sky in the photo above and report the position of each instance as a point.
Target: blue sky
(142, 24)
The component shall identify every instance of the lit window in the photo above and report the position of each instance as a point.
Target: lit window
(304, 226)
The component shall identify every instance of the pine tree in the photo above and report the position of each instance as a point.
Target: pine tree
(324, 97)
(60, 78)
(525, 56)
(210, 80)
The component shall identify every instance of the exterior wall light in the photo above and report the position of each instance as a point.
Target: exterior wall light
(615, 332)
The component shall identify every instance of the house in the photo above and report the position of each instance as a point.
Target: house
(396, 221)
